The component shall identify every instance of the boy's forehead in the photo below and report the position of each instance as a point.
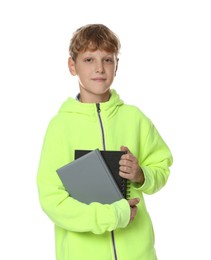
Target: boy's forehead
(97, 52)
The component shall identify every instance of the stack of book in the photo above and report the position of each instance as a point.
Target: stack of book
(94, 177)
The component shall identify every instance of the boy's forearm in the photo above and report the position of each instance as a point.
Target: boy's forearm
(75, 216)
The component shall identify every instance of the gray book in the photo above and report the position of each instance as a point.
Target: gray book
(88, 179)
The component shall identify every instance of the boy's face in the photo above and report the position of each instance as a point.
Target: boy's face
(96, 71)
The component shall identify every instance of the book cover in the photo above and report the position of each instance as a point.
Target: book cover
(111, 159)
(88, 179)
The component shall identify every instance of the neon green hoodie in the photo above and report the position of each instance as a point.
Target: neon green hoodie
(96, 231)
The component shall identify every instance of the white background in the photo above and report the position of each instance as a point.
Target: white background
(165, 69)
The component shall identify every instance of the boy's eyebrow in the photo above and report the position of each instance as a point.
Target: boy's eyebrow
(91, 53)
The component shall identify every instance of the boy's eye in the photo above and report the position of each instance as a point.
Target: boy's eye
(88, 60)
(105, 60)
(108, 60)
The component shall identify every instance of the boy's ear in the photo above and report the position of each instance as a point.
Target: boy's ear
(116, 66)
(71, 66)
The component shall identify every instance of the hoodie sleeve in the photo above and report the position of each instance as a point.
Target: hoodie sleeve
(155, 160)
(63, 210)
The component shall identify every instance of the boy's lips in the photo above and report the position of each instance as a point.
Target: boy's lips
(98, 79)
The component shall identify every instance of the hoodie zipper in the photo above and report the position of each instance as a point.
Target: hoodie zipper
(104, 148)
(101, 125)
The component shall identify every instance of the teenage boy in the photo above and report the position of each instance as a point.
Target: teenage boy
(98, 118)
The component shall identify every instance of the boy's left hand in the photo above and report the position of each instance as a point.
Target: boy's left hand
(129, 167)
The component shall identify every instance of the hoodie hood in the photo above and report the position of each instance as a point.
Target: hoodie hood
(72, 105)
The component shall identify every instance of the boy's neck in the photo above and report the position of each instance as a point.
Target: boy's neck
(94, 98)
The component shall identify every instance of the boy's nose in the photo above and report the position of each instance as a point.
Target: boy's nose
(99, 67)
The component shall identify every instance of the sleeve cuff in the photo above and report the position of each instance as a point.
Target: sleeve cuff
(122, 210)
(141, 187)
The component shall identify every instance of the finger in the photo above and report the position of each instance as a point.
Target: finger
(127, 163)
(133, 202)
(125, 149)
(126, 175)
(128, 157)
(125, 169)
(133, 213)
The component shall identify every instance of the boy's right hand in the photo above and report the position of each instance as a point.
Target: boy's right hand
(133, 208)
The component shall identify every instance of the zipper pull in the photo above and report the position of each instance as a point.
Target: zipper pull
(98, 107)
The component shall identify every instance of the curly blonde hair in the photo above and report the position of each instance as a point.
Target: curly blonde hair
(93, 37)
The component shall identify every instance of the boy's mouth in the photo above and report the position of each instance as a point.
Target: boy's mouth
(98, 79)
